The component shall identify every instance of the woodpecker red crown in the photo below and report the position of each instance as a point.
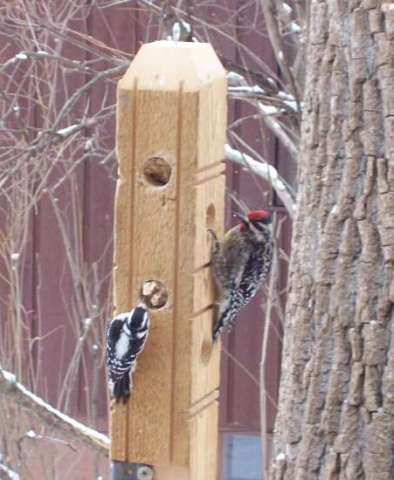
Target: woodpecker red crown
(258, 215)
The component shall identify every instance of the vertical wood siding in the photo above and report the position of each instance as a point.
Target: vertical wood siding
(49, 283)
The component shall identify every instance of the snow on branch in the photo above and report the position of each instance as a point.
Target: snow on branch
(279, 132)
(66, 132)
(268, 173)
(6, 472)
(238, 86)
(52, 417)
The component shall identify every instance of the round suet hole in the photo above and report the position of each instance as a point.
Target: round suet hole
(210, 220)
(154, 294)
(157, 171)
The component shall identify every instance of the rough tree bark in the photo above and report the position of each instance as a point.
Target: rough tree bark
(336, 411)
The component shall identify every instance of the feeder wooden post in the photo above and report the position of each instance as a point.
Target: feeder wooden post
(171, 119)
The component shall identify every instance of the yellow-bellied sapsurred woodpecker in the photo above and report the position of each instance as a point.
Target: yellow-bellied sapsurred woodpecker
(240, 263)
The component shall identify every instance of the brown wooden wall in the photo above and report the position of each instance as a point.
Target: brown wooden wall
(49, 288)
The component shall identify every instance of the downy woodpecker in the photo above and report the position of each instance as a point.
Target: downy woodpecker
(126, 337)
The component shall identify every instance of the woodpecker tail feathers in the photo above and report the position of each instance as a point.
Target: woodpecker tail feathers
(121, 389)
(226, 313)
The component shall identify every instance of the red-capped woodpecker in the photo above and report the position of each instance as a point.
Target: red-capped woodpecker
(240, 264)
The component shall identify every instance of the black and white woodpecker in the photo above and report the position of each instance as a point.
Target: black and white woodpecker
(126, 337)
(240, 263)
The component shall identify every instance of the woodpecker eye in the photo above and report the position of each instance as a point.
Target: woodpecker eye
(266, 221)
(262, 222)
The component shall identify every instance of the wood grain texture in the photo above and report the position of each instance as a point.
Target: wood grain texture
(171, 104)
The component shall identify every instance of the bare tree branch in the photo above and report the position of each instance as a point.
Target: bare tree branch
(6, 472)
(279, 132)
(266, 171)
(50, 416)
(239, 87)
(271, 19)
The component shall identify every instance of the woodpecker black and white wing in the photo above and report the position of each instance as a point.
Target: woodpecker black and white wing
(126, 338)
(240, 264)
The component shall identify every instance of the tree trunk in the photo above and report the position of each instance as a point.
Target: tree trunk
(336, 411)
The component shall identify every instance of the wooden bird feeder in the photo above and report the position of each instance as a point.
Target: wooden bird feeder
(171, 120)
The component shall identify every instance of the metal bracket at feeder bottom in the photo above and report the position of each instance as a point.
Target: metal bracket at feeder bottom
(131, 471)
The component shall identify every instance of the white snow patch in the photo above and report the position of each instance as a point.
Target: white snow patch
(287, 8)
(10, 377)
(11, 475)
(280, 55)
(65, 132)
(265, 171)
(334, 210)
(16, 108)
(255, 89)
(286, 96)
(87, 322)
(294, 27)
(234, 79)
(15, 256)
(388, 7)
(42, 52)
(280, 457)
(31, 434)
(269, 109)
(88, 144)
(21, 56)
(292, 104)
